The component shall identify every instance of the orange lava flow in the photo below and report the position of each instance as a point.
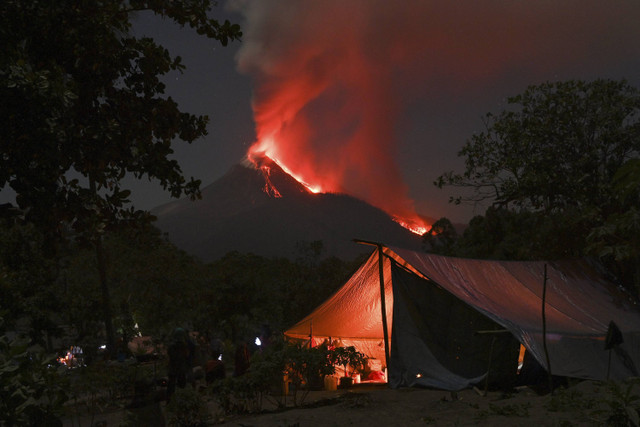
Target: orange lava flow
(418, 227)
(262, 150)
(268, 149)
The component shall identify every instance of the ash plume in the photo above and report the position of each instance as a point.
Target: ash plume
(334, 80)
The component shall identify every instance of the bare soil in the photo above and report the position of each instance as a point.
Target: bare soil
(585, 403)
(420, 407)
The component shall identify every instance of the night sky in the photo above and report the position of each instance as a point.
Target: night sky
(380, 94)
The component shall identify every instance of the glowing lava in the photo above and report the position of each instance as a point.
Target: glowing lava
(324, 106)
(418, 227)
(262, 152)
(259, 151)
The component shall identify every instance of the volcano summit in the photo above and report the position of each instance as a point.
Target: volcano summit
(258, 208)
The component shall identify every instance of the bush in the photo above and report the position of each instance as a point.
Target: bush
(32, 388)
(348, 356)
(239, 395)
(187, 408)
(301, 366)
(622, 404)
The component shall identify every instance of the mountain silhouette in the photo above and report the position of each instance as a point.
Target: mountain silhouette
(267, 212)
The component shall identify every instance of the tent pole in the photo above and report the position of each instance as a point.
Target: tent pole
(544, 328)
(493, 342)
(383, 307)
(486, 380)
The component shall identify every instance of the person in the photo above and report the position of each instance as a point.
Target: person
(265, 336)
(121, 350)
(216, 348)
(214, 366)
(242, 357)
(179, 361)
(192, 358)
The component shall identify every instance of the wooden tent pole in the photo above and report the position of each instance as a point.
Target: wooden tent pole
(383, 306)
(544, 329)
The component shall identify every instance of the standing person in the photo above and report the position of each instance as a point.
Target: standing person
(179, 361)
(242, 357)
(216, 348)
(265, 336)
(192, 358)
(214, 369)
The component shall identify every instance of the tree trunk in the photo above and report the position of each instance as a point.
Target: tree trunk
(104, 287)
(106, 299)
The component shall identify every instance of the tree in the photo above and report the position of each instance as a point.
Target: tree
(617, 239)
(506, 234)
(84, 106)
(557, 148)
(441, 237)
(558, 165)
(27, 278)
(153, 284)
(247, 291)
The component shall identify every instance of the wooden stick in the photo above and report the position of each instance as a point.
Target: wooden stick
(383, 306)
(544, 328)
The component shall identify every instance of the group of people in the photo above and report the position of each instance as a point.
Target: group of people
(189, 354)
(186, 355)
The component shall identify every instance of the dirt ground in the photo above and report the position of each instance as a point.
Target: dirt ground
(583, 404)
(420, 407)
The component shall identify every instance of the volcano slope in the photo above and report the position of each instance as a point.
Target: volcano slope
(264, 211)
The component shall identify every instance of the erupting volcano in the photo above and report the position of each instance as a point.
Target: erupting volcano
(260, 155)
(323, 105)
(257, 207)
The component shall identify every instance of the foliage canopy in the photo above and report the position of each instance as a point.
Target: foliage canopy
(560, 169)
(84, 106)
(557, 147)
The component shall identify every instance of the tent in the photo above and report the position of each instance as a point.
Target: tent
(450, 321)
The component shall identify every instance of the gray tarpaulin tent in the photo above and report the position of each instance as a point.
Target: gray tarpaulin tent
(450, 319)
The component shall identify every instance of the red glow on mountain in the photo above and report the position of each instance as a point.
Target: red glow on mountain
(325, 106)
(417, 226)
(261, 156)
(266, 149)
(333, 131)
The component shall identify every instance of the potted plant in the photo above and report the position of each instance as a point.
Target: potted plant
(348, 357)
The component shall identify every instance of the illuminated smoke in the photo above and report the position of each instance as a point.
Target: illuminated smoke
(334, 78)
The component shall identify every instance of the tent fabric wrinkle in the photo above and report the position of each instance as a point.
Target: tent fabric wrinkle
(353, 313)
(435, 347)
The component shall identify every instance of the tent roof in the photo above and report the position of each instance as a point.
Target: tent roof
(579, 300)
(354, 311)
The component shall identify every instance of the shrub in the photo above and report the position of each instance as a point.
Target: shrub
(348, 356)
(187, 408)
(303, 367)
(622, 404)
(32, 390)
(568, 399)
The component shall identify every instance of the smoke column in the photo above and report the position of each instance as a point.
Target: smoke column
(332, 78)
